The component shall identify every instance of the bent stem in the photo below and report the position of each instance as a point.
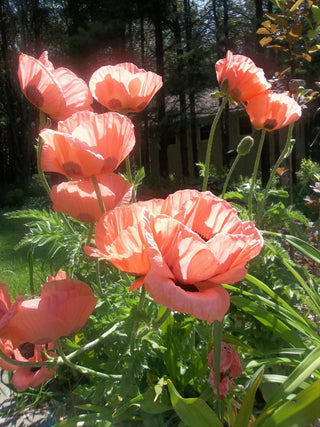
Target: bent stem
(82, 369)
(255, 172)
(50, 363)
(56, 361)
(282, 156)
(234, 164)
(98, 193)
(210, 142)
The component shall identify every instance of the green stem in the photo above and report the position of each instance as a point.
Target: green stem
(255, 172)
(283, 154)
(234, 164)
(83, 370)
(129, 177)
(136, 323)
(210, 142)
(155, 325)
(40, 171)
(93, 343)
(90, 233)
(98, 193)
(54, 362)
(217, 336)
(98, 277)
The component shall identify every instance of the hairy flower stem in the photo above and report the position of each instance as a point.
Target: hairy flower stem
(285, 152)
(56, 361)
(255, 172)
(136, 322)
(210, 142)
(234, 164)
(42, 123)
(82, 369)
(93, 343)
(130, 179)
(18, 363)
(98, 193)
(217, 337)
(155, 325)
(40, 171)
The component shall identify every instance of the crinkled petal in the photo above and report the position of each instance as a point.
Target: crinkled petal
(209, 304)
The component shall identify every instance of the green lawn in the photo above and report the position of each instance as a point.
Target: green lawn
(14, 266)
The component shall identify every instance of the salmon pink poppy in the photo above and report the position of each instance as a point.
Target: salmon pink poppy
(124, 87)
(79, 200)
(182, 248)
(230, 363)
(87, 144)
(230, 367)
(7, 310)
(241, 76)
(13, 353)
(272, 111)
(62, 309)
(57, 92)
(25, 377)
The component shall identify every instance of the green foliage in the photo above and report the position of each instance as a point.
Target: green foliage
(59, 235)
(309, 172)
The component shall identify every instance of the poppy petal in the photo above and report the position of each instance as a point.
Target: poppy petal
(209, 304)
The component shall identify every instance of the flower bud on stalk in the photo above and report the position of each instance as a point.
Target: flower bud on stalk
(245, 145)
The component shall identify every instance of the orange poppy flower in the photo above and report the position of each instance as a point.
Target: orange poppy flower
(87, 144)
(79, 200)
(182, 248)
(124, 87)
(272, 111)
(57, 92)
(25, 377)
(62, 309)
(243, 78)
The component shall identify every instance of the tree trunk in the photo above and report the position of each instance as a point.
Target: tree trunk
(182, 96)
(161, 109)
(192, 101)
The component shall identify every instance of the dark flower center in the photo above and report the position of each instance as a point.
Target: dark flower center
(188, 288)
(114, 104)
(72, 169)
(270, 124)
(27, 350)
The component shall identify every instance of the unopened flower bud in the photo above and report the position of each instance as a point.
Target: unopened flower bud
(245, 145)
